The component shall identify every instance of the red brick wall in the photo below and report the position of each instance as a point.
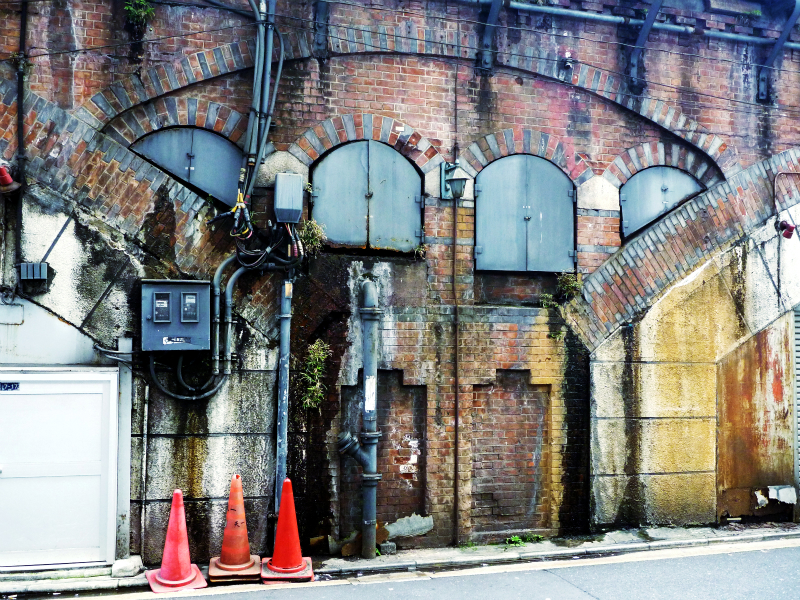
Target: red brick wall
(402, 417)
(510, 486)
(401, 452)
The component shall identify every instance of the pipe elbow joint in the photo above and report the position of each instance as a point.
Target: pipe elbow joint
(350, 446)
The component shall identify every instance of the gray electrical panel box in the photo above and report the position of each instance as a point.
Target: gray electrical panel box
(176, 315)
(288, 197)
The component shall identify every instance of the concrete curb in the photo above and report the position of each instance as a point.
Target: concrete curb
(77, 584)
(566, 553)
(106, 583)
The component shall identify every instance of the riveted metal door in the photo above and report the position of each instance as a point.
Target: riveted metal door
(395, 217)
(58, 449)
(341, 187)
(551, 226)
(652, 193)
(500, 225)
(524, 216)
(197, 156)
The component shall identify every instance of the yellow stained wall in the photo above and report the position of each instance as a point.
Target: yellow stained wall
(656, 386)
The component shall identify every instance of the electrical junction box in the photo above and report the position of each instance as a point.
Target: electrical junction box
(288, 197)
(176, 315)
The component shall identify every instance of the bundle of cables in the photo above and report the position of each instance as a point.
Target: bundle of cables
(277, 246)
(255, 140)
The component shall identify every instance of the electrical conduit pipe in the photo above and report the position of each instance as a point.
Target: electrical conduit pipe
(282, 425)
(603, 18)
(366, 453)
(229, 317)
(215, 311)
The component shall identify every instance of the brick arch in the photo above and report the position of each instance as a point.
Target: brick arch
(157, 114)
(516, 140)
(625, 286)
(654, 154)
(529, 56)
(333, 132)
(164, 78)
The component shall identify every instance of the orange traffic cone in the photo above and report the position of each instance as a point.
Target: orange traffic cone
(177, 571)
(235, 563)
(287, 562)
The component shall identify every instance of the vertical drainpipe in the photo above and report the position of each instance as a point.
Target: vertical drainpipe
(23, 33)
(283, 391)
(366, 453)
(371, 318)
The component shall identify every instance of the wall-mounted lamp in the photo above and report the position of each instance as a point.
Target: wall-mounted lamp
(785, 229)
(6, 183)
(451, 185)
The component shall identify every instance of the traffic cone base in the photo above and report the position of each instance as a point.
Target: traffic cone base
(272, 574)
(177, 571)
(159, 585)
(249, 571)
(235, 563)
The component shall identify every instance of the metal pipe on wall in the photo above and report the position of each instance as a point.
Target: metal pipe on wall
(366, 453)
(283, 390)
(587, 16)
(215, 311)
(370, 317)
(21, 158)
(229, 317)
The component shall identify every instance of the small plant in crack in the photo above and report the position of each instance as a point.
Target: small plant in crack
(310, 373)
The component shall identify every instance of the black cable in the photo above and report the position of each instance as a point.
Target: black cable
(245, 14)
(182, 381)
(565, 35)
(794, 109)
(223, 6)
(175, 396)
(110, 351)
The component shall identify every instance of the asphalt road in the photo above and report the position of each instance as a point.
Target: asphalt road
(741, 571)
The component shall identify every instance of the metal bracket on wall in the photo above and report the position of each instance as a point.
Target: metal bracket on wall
(486, 53)
(763, 71)
(320, 46)
(637, 83)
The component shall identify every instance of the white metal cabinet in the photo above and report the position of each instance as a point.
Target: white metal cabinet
(58, 455)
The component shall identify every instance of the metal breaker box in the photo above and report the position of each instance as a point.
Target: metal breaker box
(176, 315)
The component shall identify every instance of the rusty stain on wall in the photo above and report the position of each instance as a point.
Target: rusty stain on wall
(755, 447)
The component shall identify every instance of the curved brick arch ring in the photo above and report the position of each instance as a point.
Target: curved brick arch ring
(529, 56)
(659, 154)
(524, 141)
(333, 132)
(162, 79)
(171, 112)
(228, 58)
(635, 277)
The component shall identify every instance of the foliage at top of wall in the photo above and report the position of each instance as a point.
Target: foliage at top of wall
(139, 12)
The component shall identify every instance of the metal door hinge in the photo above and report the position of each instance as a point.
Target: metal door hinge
(573, 196)
(623, 197)
(478, 249)
(477, 190)
(418, 199)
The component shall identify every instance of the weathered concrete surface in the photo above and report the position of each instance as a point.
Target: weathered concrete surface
(661, 385)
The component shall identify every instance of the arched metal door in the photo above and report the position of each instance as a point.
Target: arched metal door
(652, 193)
(197, 156)
(524, 216)
(367, 194)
